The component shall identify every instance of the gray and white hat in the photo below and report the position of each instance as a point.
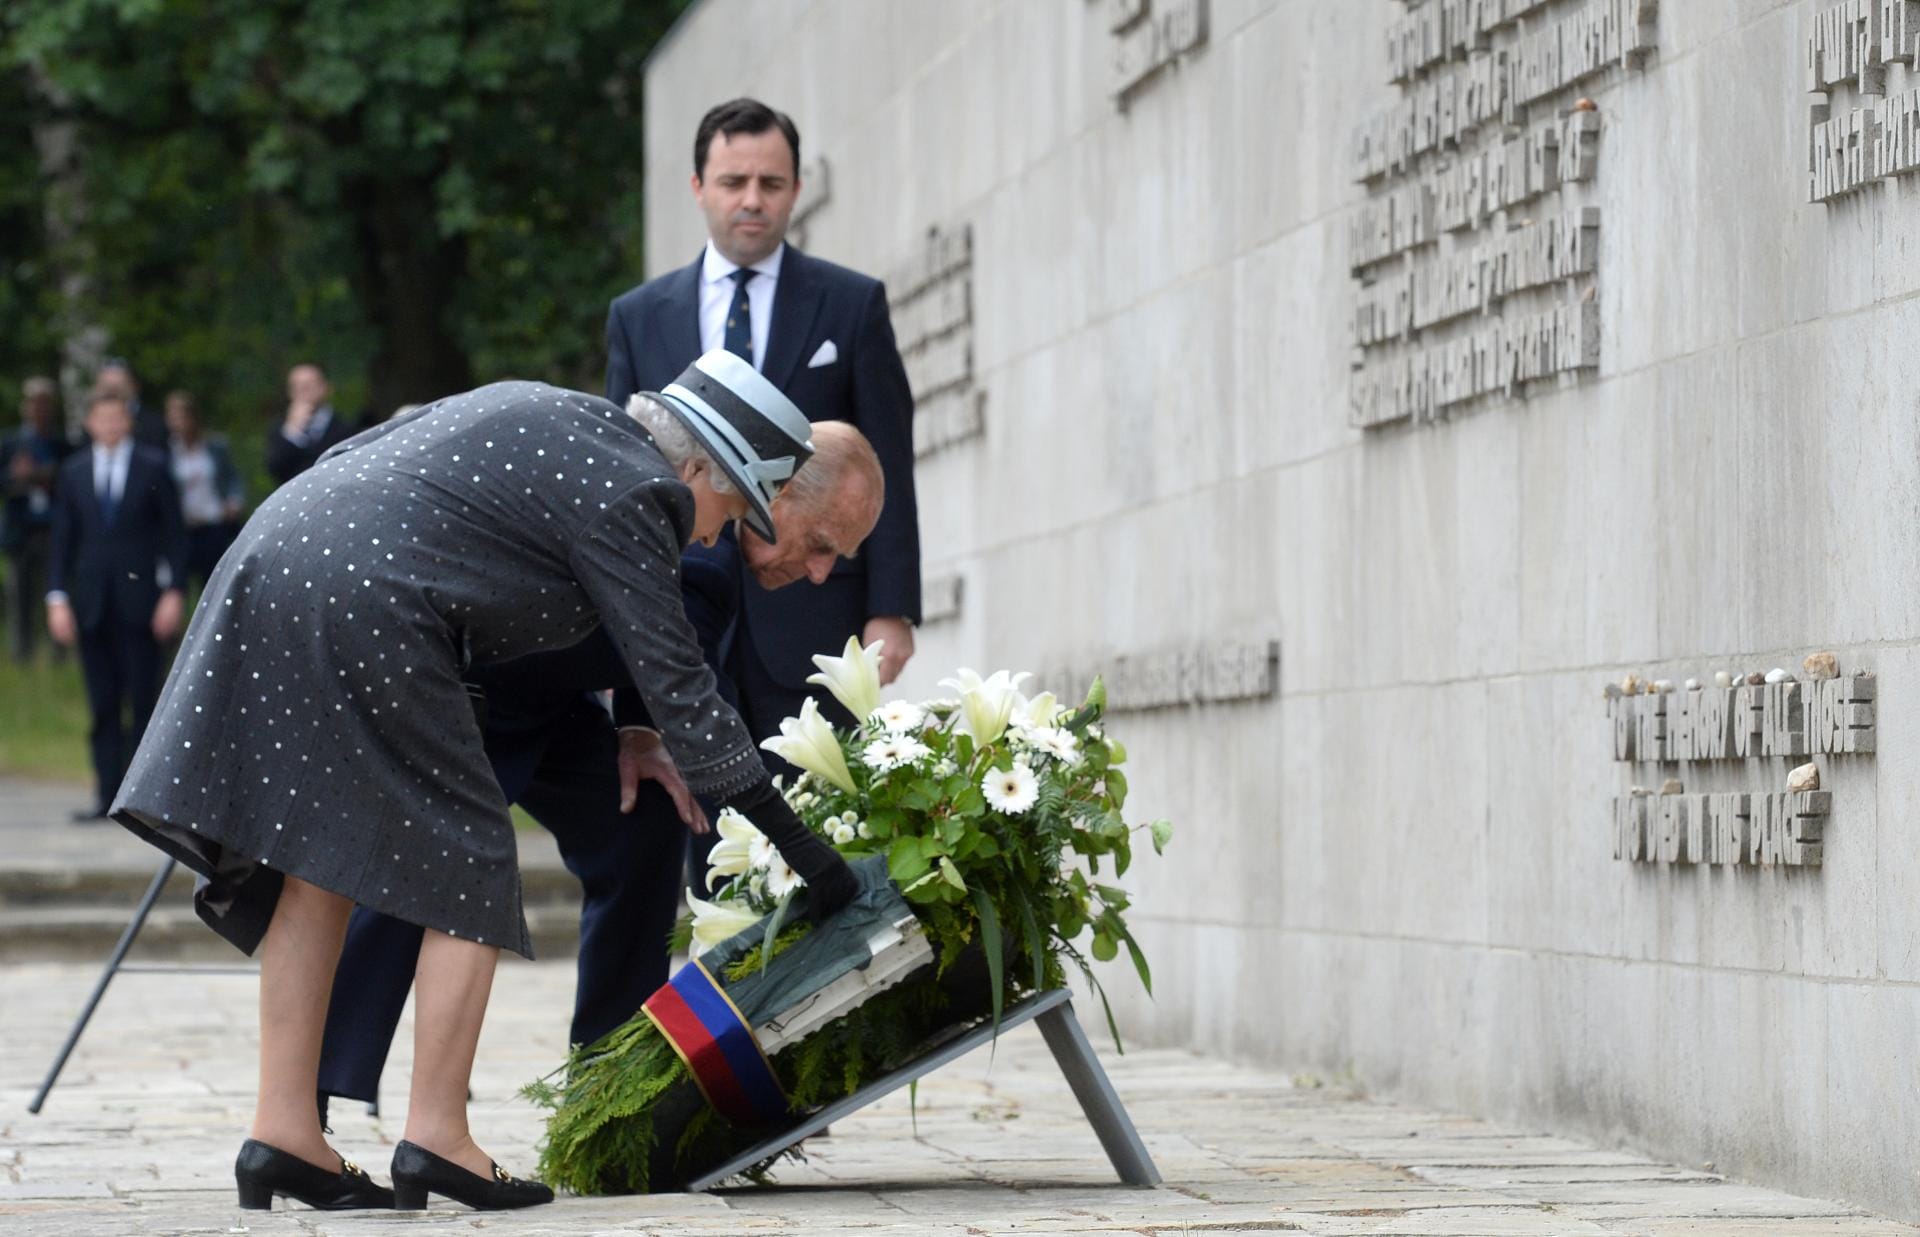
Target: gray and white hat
(757, 436)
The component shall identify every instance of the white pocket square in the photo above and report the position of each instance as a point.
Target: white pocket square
(826, 354)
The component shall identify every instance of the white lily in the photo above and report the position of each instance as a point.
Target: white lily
(853, 677)
(986, 705)
(1039, 711)
(732, 854)
(809, 742)
(714, 922)
(761, 853)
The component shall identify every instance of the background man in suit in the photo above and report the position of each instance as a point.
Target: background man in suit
(309, 426)
(116, 378)
(821, 334)
(614, 804)
(114, 578)
(30, 460)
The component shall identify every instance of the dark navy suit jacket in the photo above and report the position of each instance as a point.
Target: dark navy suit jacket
(653, 332)
(523, 696)
(111, 569)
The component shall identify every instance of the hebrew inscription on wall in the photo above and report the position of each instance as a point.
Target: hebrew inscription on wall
(1675, 739)
(940, 597)
(931, 299)
(1865, 121)
(1149, 35)
(1475, 253)
(1214, 673)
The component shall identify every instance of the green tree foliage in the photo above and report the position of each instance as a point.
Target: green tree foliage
(29, 341)
(421, 194)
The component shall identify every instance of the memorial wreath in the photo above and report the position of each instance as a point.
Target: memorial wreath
(978, 827)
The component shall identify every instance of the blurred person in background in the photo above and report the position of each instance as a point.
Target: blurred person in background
(30, 459)
(307, 428)
(212, 495)
(115, 569)
(116, 378)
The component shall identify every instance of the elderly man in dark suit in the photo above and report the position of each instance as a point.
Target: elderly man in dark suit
(117, 566)
(821, 334)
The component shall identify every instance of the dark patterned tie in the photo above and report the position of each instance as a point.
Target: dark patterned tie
(739, 335)
(105, 496)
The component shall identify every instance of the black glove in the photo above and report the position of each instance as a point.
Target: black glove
(830, 882)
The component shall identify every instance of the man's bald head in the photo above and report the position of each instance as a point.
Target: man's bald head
(824, 512)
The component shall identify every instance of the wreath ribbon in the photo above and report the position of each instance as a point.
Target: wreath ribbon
(708, 1032)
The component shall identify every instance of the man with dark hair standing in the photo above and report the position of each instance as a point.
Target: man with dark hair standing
(116, 378)
(114, 581)
(30, 459)
(821, 334)
(308, 427)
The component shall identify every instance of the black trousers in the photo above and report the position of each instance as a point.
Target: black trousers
(566, 777)
(27, 592)
(120, 661)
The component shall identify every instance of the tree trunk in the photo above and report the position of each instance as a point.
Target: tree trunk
(56, 140)
(408, 277)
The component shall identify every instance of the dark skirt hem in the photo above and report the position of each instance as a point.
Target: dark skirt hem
(236, 895)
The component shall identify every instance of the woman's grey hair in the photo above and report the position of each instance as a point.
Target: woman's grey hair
(675, 440)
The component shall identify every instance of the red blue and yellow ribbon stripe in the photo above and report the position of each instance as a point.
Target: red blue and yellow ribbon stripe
(707, 1030)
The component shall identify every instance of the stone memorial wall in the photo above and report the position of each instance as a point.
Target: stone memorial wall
(1353, 384)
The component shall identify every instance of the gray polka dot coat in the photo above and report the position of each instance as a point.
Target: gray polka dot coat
(314, 722)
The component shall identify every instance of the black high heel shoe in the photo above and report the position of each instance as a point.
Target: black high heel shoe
(418, 1171)
(264, 1171)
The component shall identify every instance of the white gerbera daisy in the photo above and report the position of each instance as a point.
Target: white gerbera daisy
(1057, 743)
(782, 879)
(900, 716)
(1012, 791)
(762, 853)
(892, 752)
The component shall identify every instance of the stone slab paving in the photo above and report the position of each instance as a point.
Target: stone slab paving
(140, 1136)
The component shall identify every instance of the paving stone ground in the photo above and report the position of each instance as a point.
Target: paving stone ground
(140, 1134)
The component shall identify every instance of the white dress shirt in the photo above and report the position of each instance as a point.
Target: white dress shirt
(193, 476)
(716, 297)
(110, 470)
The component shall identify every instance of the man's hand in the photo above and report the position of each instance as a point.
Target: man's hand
(898, 633)
(167, 614)
(299, 415)
(60, 624)
(643, 757)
